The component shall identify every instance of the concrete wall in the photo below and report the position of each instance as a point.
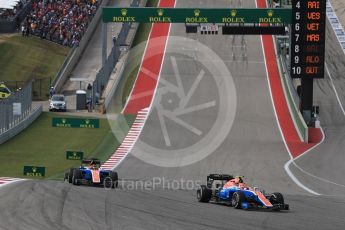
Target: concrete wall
(120, 66)
(21, 126)
(296, 115)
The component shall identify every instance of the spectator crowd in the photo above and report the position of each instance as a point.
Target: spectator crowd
(61, 21)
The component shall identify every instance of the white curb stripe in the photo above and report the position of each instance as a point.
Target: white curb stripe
(8, 180)
(128, 142)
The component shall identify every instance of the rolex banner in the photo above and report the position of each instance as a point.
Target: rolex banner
(34, 171)
(74, 155)
(75, 123)
(200, 15)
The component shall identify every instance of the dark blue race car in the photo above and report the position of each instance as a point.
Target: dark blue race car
(90, 173)
(225, 189)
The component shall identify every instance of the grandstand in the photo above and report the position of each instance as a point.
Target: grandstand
(63, 22)
(60, 21)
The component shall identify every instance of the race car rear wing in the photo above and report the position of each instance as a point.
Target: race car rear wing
(219, 177)
(88, 161)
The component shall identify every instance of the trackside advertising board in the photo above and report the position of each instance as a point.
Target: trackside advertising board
(74, 155)
(34, 171)
(200, 15)
(75, 123)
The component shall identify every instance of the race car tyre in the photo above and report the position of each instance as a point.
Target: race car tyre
(203, 194)
(237, 199)
(276, 198)
(66, 176)
(76, 177)
(108, 182)
(70, 175)
(115, 179)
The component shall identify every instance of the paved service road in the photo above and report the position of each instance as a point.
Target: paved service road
(91, 60)
(253, 147)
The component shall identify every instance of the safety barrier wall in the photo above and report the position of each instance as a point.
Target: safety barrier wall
(104, 73)
(75, 53)
(291, 95)
(103, 76)
(284, 62)
(289, 91)
(10, 123)
(114, 85)
(120, 74)
(35, 113)
(65, 70)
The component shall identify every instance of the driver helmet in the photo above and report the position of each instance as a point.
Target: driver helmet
(92, 163)
(238, 180)
(243, 185)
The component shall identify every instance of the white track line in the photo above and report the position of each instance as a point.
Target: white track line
(292, 161)
(335, 90)
(8, 180)
(139, 123)
(160, 71)
(141, 63)
(123, 150)
(286, 166)
(293, 178)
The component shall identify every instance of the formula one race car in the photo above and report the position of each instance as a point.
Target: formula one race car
(226, 189)
(90, 173)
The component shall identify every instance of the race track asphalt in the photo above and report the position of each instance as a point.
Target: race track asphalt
(251, 145)
(33, 205)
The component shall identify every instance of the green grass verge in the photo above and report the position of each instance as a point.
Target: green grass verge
(43, 145)
(152, 3)
(26, 58)
(109, 142)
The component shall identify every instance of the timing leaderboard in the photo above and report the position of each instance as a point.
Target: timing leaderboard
(308, 38)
